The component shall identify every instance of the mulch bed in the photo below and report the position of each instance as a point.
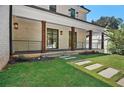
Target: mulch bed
(89, 52)
(37, 59)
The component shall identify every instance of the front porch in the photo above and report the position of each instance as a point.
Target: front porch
(52, 53)
(32, 36)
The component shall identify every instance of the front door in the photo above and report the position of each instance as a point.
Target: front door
(52, 38)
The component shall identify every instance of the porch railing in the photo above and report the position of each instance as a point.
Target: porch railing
(95, 45)
(26, 45)
(81, 45)
(33, 45)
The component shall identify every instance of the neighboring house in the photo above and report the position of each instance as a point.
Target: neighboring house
(43, 28)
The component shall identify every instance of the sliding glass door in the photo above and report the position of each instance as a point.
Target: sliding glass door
(52, 38)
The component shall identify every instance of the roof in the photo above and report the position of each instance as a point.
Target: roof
(85, 8)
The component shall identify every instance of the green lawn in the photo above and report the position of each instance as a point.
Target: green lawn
(114, 61)
(48, 73)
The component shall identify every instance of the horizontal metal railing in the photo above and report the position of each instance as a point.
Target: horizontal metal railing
(95, 45)
(34, 45)
(80, 45)
(26, 45)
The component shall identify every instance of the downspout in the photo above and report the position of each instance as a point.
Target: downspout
(10, 31)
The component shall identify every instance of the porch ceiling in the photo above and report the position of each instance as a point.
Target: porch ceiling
(37, 14)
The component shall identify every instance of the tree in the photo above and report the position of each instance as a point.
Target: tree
(116, 38)
(109, 22)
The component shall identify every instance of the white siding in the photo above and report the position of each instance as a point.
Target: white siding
(4, 36)
(44, 6)
(28, 12)
(64, 9)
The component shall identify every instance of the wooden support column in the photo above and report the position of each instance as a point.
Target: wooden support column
(72, 37)
(102, 41)
(90, 39)
(43, 45)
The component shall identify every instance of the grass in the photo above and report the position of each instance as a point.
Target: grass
(61, 73)
(114, 61)
(94, 74)
(54, 73)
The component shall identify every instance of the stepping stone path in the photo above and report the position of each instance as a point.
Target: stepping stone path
(109, 72)
(83, 62)
(70, 58)
(63, 56)
(121, 82)
(94, 66)
(67, 57)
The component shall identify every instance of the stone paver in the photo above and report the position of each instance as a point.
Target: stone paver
(94, 66)
(109, 72)
(64, 56)
(121, 82)
(70, 58)
(83, 62)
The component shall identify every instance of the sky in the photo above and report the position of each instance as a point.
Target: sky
(105, 10)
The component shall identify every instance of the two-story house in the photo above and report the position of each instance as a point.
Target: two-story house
(45, 28)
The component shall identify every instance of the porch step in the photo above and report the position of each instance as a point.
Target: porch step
(52, 54)
(60, 53)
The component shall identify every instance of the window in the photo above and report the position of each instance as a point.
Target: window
(52, 38)
(72, 12)
(52, 8)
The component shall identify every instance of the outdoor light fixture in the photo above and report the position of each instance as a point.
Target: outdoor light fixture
(61, 32)
(77, 14)
(15, 25)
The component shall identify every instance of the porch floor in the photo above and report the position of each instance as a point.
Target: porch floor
(52, 53)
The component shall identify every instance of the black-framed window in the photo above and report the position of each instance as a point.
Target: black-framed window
(72, 12)
(52, 8)
(52, 38)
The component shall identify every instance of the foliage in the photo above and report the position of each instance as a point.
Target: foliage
(116, 38)
(109, 22)
(115, 33)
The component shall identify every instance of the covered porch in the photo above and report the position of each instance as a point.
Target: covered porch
(31, 35)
